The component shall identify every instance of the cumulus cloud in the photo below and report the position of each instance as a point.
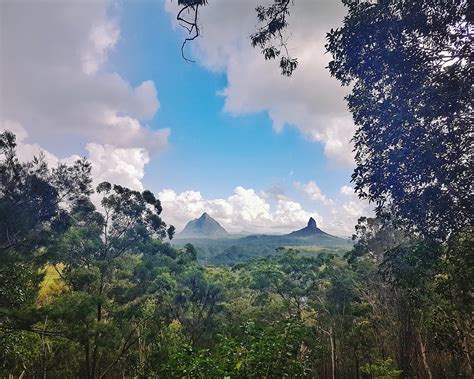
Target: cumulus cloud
(57, 90)
(102, 38)
(116, 165)
(244, 209)
(55, 82)
(311, 100)
(341, 213)
(344, 214)
(312, 190)
(27, 151)
(275, 192)
(250, 210)
(347, 191)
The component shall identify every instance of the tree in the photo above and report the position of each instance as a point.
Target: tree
(98, 252)
(418, 289)
(33, 198)
(34, 208)
(195, 304)
(100, 303)
(269, 36)
(408, 63)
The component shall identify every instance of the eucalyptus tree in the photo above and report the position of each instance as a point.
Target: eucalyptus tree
(96, 257)
(409, 64)
(34, 208)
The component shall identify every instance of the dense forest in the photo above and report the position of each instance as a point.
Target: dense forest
(90, 288)
(97, 293)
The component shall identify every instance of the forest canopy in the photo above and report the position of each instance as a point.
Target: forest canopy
(96, 292)
(91, 286)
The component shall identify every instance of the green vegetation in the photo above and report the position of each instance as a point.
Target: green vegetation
(233, 251)
(95, 292)
(214, 246)
(98, 294)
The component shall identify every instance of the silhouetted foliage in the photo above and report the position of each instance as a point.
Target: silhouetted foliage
(270, 37)
(409, 65)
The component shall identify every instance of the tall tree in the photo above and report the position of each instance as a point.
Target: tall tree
(34, 208)
(409, 65)
(98, 253)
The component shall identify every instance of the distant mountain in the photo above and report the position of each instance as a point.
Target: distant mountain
(216, 246)
(311, 230)
(309, 235)
(203, 227)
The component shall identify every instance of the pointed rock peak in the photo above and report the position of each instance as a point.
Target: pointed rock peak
(312, 223)
(203, 227)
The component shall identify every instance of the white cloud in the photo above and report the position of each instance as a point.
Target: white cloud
(347, 191)
(291, 215)
(343, 216)
(27, 151)
(55, 82)
(102, 38)
(311, 100)
(275, 192)
(116, 165)
(121, 166)
(245, 209)
(57, 90)
(312, 190)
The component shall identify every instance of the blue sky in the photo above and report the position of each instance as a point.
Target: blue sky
(227, 135)
(209, 149)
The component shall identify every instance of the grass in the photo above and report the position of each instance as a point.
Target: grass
(51, 285)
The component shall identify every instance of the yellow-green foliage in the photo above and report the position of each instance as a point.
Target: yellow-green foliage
(304, 248)
(313, 250)
(52, 284)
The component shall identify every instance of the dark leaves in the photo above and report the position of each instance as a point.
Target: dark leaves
(411, 102)
(270, 36)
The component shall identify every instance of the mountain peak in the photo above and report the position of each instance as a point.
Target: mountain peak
(203, 227)
(312, 223)
(310, 230)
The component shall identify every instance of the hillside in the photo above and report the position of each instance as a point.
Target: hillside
(228, 249)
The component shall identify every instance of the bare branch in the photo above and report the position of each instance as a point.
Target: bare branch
(191, 26)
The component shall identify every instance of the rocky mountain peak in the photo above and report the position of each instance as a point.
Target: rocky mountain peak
(312, 223)
(203, 227)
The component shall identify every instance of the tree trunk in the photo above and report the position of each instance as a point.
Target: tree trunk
(424, 357)
(333, 352)
(357, 365)
(88, 362)
(43, 342)
(95, 352)
(468, 352)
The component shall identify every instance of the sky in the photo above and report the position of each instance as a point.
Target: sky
(227, 135)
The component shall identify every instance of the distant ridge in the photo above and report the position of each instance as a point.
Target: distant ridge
(215, 246)
(309, 235)
(203, 227)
